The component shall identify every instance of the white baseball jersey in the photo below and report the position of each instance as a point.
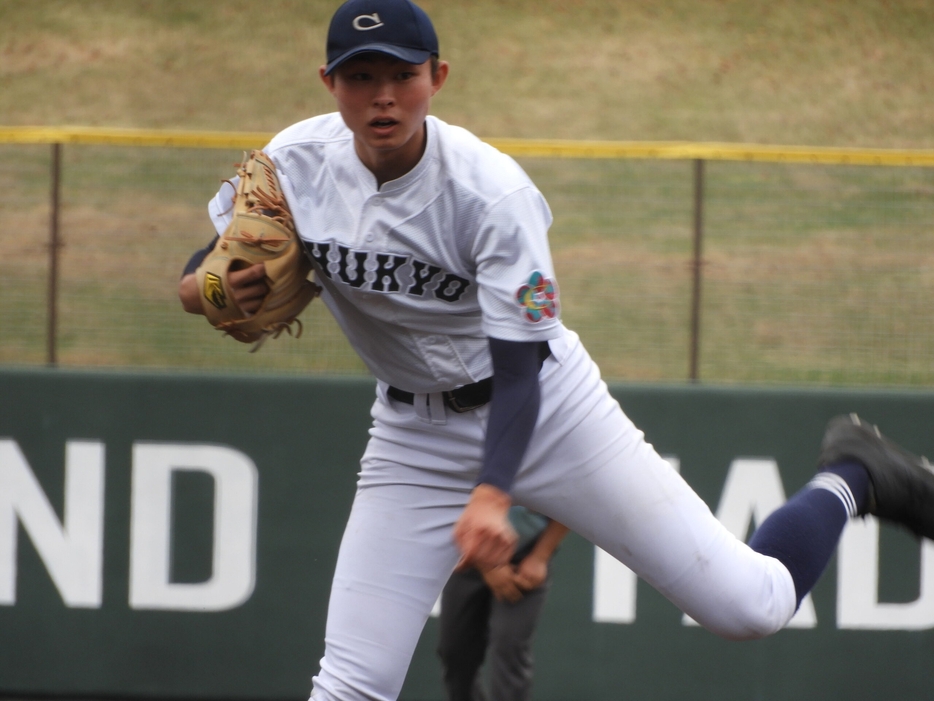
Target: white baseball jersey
(419, 272)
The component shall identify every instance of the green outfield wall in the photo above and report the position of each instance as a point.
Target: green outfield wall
(173, 536)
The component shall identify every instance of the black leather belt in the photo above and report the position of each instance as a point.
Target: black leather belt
(468, 397)
(458, 400)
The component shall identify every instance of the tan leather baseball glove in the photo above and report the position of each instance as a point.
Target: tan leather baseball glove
(262, 231)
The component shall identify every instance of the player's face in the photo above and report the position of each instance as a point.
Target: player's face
(384, 102)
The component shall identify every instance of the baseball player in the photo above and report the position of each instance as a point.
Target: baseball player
(431, 248)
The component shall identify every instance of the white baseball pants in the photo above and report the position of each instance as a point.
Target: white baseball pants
(587, 466)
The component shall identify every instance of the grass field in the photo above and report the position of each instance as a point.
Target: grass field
(855, 73)
(813, 274)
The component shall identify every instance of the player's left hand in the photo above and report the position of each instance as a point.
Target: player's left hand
(483, 532)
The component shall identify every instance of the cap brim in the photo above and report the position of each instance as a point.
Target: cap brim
(413, 56)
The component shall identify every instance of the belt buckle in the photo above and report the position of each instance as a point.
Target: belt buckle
(455, 406)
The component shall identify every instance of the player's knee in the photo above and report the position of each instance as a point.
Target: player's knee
(755, 602)
(753, 628)
(749, 614)
(746, 622)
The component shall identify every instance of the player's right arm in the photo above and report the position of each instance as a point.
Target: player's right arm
(483, 533)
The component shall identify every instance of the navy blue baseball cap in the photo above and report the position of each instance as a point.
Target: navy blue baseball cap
(399, 28)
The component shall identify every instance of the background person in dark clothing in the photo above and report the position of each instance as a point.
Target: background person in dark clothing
(498, 610)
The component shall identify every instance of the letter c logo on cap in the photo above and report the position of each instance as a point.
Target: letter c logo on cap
(365, 23)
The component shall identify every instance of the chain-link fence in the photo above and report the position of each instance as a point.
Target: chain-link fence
(817, 273)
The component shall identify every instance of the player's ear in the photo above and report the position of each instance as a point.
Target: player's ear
(328, 80)
(439, 75)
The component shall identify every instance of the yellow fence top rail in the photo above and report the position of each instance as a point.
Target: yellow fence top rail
(133, 137)
(686, 150)
(554, 148)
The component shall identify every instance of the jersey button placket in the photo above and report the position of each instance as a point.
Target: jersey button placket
(371, 216)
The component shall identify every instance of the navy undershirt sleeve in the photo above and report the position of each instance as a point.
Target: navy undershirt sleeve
(198, 256)
(513, 409)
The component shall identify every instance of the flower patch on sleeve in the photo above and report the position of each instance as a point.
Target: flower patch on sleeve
(538, 298)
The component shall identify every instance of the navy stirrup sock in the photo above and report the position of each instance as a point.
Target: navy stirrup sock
(804, 532)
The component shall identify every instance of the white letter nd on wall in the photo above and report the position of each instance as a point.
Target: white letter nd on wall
(72, 549)
(235, 506)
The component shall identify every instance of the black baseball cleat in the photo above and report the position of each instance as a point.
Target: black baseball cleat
(901, 486)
